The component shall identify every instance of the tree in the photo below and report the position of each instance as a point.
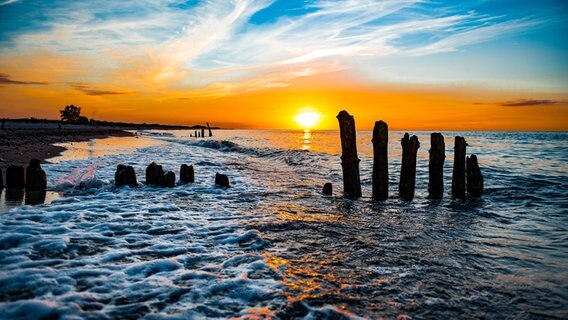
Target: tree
(70, 113)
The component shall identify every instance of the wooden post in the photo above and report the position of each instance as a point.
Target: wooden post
(195, 135)
(186, 174)
(474, 177)
(15, 177)
(209, 128)
(380, 161)
(36, 178)
(349, 159)
(407, 182)
(202, 132)
(327, 189)
(1, 180)
(436, 166)
(458, 174)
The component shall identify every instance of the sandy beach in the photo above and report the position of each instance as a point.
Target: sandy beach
(20, 144)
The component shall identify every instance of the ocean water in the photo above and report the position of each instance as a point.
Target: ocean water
(272, 246)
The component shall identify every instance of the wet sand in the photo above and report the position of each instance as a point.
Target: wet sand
(19, 145)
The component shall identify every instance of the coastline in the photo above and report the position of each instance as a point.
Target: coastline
(19, 145)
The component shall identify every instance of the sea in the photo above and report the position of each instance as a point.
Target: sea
(272, 246)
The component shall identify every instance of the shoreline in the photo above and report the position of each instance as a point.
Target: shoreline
(19, 146)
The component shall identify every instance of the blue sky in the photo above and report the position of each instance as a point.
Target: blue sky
(222, 47)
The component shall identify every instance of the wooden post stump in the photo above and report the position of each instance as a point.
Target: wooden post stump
(436, 166)
(202, 132)
(209, 128)
(349, 159)
(458, 174)
(474, 177)
(380, 161)
(154, 174)
(15, 177)
(407, 182)
(168, 180)
(327, 189)
(125, 176)
(222, 180)
(36, 178)
(186, 174)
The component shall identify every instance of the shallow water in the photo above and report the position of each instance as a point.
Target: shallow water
(273, 246)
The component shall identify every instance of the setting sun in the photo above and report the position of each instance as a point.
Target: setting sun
(307, 119)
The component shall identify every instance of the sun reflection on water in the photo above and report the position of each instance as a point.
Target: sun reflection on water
(306, 140)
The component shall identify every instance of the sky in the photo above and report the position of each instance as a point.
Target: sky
(418, 65)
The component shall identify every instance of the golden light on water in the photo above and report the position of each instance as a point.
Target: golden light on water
(307, 119)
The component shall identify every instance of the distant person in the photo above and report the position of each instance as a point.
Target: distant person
(59, 126)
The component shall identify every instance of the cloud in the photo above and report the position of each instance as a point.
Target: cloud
(5, 79)
(528, 103)
(6, 2)
(213, 45)
(94, 92)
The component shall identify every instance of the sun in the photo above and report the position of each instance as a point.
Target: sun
(307, 119)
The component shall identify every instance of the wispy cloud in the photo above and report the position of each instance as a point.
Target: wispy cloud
(212, 48)
(6, 2)
(528, 103)
(94, 92)
(5, 79)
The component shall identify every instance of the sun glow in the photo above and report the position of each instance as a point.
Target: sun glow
(307, 119)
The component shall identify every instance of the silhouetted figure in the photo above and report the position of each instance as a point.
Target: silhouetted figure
(125, 176)
(186, 174)
(349, 159)
(15, 177)
(36, 178)
(222, 180)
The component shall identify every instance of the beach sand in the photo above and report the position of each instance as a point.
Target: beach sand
(19, 145)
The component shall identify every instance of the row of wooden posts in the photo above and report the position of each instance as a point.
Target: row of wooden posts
(466, 174)
(201, 134)
(34, 178)
(155, 175)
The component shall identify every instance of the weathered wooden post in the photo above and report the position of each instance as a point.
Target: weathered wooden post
(222, 180)
(407, 182)
(202, 132)
(154, 174)
(327, 189)
(36, 178)
(209, 128)
(195, 135)
(186, 174)
(474, 177)
(15, 177)
(349, 159)
(458, 174)
(436, 166)
(125, 176)
(1, 180)
(380, 161)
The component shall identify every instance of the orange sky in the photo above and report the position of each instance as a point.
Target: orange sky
(404, 107)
